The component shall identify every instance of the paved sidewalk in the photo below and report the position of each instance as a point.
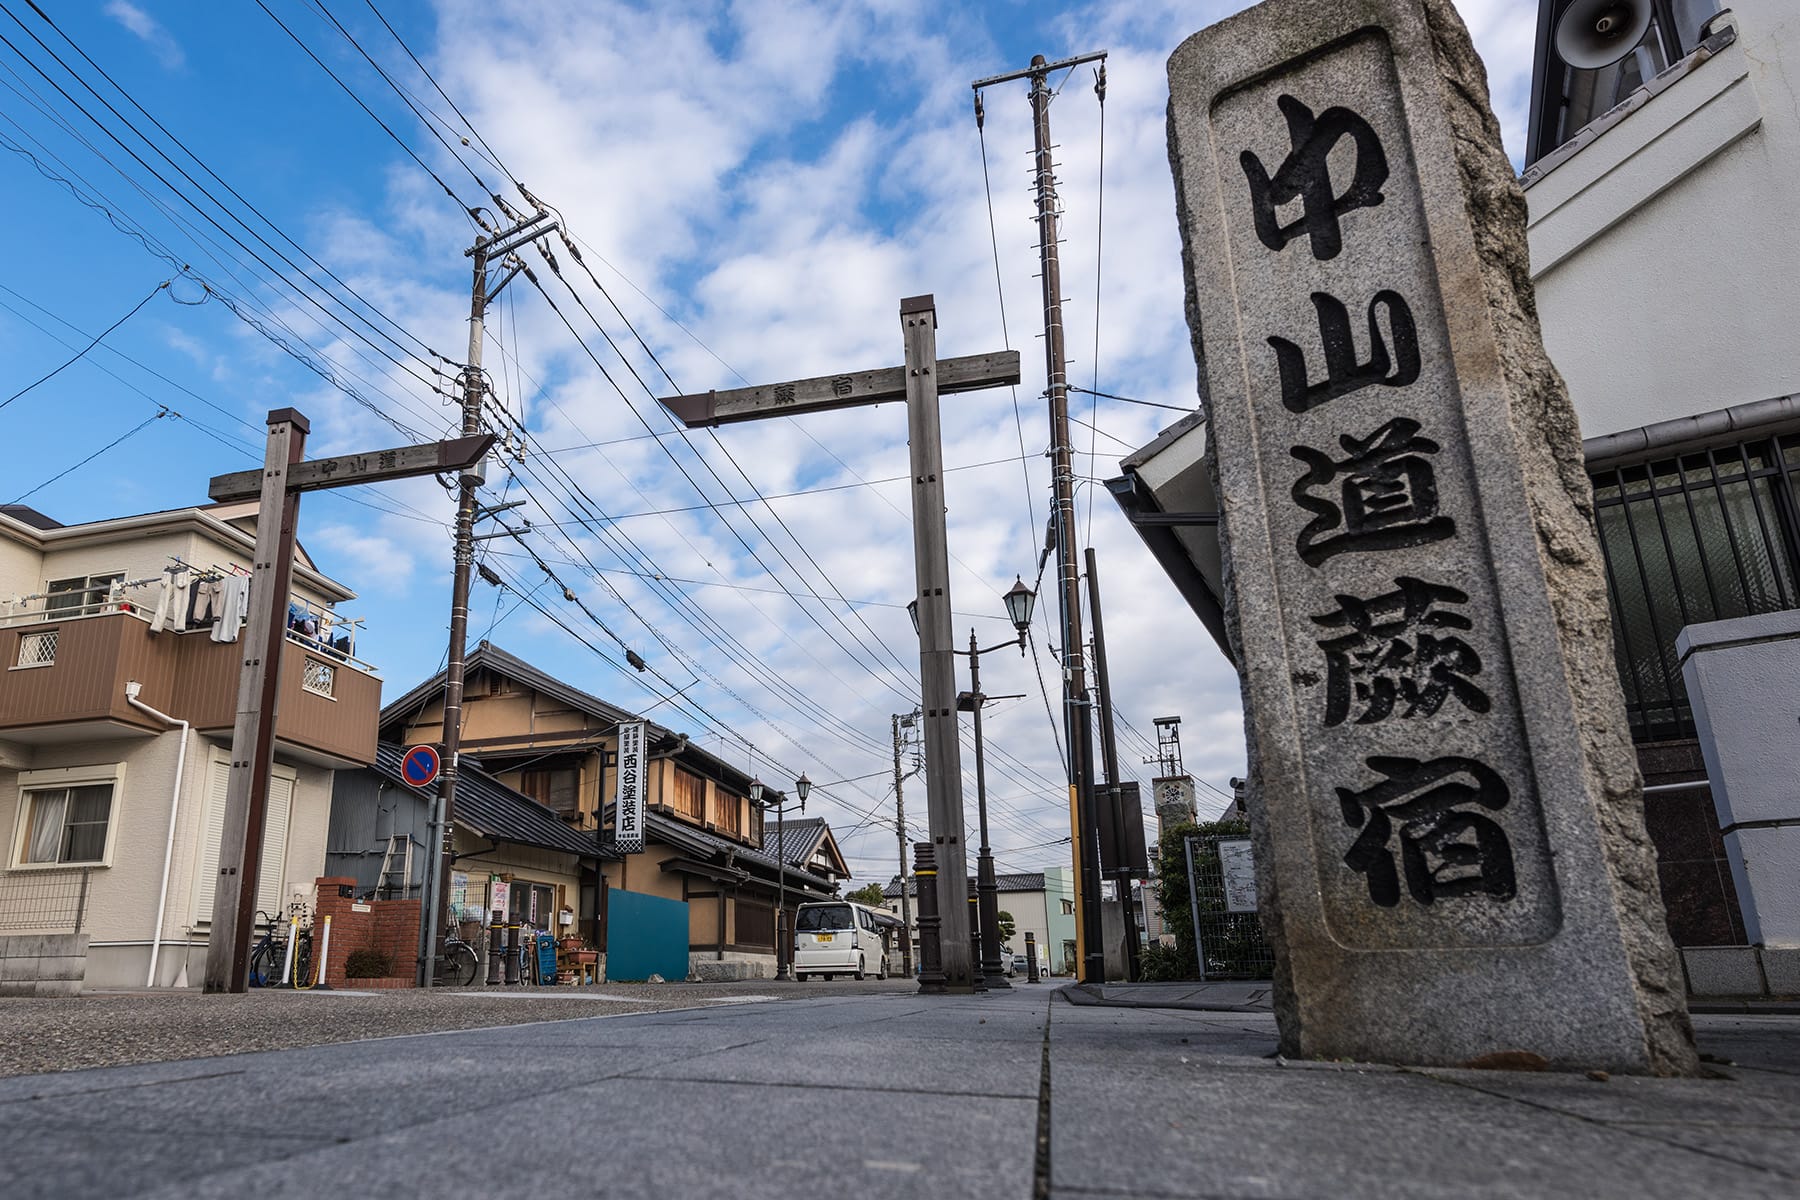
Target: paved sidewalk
(1015, 1094)
(1223, 996)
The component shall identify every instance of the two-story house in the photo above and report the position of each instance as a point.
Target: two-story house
(119, 661)
(708, 850)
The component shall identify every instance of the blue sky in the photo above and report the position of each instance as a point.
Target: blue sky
(755, 186)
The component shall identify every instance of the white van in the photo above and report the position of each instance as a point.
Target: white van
(838, 937)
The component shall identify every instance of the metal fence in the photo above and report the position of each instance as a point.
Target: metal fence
(44, 901)
(1222, 895)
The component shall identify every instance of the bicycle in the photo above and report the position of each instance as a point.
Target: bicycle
(454, 965)
(266, 955)
(269, 956)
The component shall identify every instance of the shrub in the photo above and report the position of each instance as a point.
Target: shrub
(368, 964)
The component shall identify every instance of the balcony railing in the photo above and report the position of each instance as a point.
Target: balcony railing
(68, 671)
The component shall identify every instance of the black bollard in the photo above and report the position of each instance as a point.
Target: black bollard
(1031, 967)
(496, 948)
(931, 957)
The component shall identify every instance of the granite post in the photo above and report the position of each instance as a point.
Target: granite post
(1445, 804)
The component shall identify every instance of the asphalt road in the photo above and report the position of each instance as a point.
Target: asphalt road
(890, 1094)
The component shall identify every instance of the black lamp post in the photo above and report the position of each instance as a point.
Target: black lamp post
(759, 796)
(1019, 601)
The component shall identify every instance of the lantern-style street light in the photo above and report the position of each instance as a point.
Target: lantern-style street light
(765, 800)
(1019, 601)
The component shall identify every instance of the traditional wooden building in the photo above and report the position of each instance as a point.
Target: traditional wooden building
(707, 875)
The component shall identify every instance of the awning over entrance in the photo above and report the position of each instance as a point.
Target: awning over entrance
(1167, 494)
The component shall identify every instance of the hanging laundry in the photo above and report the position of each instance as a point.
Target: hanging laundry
(209, 595)
(171, 605)
(234, 600)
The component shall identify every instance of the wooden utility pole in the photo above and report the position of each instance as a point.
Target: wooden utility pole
(919, 382)
(1077, 714)
(253, 732)
(486, 250)
(278, 486)
(900, 833)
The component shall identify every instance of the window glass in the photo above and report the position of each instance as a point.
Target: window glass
(83, 593)
(823, 918)
(67, 825)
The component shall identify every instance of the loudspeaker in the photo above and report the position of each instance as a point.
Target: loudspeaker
(1598, 33)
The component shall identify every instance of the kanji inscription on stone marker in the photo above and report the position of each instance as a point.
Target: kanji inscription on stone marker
(1414, 585)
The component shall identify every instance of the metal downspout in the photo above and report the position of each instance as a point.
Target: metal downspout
(162, 895)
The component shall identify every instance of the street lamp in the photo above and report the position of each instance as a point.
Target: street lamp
(1019, 600)
(764, 799)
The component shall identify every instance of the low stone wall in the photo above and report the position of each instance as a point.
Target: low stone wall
(1742, 972)
(707, 967)
(43, 964)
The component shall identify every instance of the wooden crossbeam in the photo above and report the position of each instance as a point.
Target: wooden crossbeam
(372, 467)
(851, 389)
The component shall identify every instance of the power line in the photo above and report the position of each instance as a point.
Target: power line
(82, 353)
(139, 427)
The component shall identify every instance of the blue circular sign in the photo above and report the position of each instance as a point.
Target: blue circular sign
(420, 766)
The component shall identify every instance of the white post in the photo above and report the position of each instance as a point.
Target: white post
(324, 953)
(287, 958)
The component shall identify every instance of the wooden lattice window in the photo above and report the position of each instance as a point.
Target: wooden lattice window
(558, 789)
(731, 813)
(690, 795)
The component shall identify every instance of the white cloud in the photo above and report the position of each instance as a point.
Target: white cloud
(148, 30)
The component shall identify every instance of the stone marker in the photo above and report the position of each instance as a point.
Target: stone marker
(1445, 802)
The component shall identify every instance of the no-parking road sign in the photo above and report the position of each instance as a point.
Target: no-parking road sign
(420, 766)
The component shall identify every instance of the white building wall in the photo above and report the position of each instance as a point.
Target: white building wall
(1667, 252)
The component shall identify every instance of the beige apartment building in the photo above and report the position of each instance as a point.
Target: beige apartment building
(120, 648)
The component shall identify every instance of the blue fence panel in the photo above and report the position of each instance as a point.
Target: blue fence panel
(645, 936)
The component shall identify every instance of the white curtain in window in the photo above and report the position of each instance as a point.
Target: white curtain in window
(47, 808)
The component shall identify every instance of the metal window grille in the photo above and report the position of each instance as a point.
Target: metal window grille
(318, 677)
(37, 649)
(1705, 535)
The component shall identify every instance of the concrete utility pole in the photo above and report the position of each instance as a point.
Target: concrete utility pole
(1076, 711)
(1109, 754)
(486, 250)
(919, 382)
(900, 833)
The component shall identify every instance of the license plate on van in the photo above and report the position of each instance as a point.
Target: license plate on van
(823, 937)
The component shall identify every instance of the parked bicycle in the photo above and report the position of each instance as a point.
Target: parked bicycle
(270, 965)
(454, 965)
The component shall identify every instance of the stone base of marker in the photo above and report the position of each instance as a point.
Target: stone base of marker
(1447, 811)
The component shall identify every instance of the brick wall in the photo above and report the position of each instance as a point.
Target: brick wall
(390, 926)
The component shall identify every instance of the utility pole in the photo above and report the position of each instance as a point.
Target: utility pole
(920, 382)
(1109, 751)
(277, 487)
(1076, 705)
(496, 248)
(900, 834)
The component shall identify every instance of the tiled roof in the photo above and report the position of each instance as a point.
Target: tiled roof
(1018, 881)
(492, 657)
(801, 837)
(493, 810)
(665, 828)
